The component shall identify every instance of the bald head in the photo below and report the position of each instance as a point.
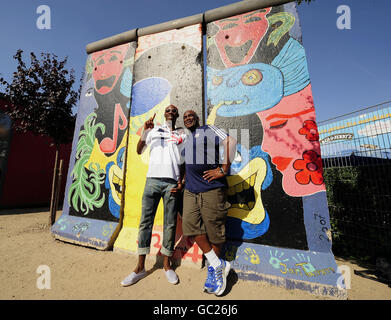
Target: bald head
(191, 120)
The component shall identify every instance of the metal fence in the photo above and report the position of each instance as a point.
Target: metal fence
(356, 152)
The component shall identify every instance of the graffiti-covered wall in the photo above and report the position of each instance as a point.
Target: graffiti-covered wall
(167, 70)
(259, 90)
(95, 178)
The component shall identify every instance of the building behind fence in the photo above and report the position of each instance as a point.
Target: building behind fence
(356, 152)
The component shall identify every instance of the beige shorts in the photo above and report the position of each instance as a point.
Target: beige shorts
(205, 213)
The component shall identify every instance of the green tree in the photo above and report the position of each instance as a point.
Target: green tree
(41, 97)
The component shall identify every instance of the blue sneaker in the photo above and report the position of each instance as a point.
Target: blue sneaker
(221, 273)
(210, 285)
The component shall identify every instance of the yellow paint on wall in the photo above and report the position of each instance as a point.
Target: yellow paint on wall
(136, 172)
(135, 177)
(127, 240)
(252, 176)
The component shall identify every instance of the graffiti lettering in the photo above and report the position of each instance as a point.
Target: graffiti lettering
(245, 267)
(157, 244)
(81, 227)
(193, 253)
(326, 234)
(302, 269)
(286, 270)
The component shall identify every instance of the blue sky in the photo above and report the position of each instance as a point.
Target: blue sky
(349, 69)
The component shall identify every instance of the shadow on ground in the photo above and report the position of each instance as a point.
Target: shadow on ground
(8, 211)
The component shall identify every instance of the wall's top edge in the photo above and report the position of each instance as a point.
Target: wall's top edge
(239, 8)
(208, 16)
(173, 24)
(109, 42)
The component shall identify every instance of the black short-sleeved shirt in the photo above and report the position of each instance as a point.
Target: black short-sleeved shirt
(201, 152)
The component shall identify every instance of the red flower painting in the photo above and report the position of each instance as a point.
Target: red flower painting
(310, 168)
(310, 130)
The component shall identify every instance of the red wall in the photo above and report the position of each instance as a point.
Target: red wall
(29, 174)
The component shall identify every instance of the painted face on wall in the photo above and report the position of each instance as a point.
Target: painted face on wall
(250, 173)
(291, 139)
(247, 89)
(243, 90)
(87, 102)
(107, 67)
(239, 36)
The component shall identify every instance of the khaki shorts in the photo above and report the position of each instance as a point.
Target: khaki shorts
(205, 213)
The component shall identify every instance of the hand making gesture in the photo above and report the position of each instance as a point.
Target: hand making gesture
(149, 123)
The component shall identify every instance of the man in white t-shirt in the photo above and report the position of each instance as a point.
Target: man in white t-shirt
(162, 182)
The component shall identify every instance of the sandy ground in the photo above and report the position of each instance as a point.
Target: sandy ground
(82, 273)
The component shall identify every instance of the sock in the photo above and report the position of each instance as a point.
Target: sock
(212, 258)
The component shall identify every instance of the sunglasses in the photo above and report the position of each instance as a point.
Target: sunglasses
(173, 110)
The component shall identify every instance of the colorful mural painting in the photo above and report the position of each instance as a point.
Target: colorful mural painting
(259, 91)
(93, 196)
(167, 70)
(258, 87)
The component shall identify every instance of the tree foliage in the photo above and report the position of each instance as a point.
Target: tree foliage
(359, 201)
(42, 97)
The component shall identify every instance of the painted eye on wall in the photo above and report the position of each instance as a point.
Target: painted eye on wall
(217, 80)
(253, 19)
(278, 124)
(229, 26)
(113, 58)
(89, 92)
(252, 77)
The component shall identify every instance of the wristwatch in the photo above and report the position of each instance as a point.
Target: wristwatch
(222, 171)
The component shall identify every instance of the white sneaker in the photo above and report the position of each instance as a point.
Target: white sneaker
(171, 276)
(133, 278)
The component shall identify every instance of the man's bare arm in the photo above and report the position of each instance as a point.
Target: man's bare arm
(148, 125)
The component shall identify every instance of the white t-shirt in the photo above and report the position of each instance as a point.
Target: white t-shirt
(164, 157)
